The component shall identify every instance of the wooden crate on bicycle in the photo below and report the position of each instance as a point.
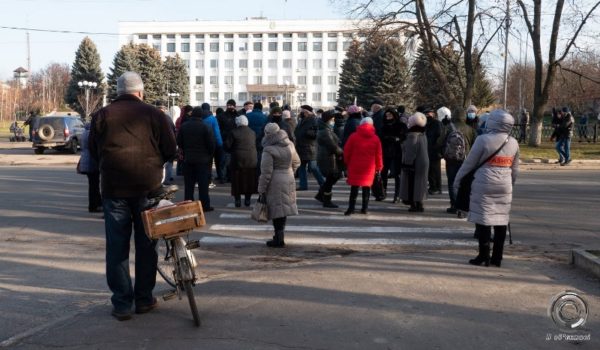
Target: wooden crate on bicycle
(173, 219)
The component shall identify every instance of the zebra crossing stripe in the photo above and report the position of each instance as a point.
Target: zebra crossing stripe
(342, 203)
(344, 229)
(368, 217)
(213, 240)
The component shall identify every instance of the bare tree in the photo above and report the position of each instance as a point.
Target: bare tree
(466, 27)
(577, 13)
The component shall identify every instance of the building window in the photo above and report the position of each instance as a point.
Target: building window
(170, 36)
(316, 80)
(214, 47)
(228, 47)
(228, 36)
(143, 36)
(302, 46)
(199, 47)
(332, 63)
(287, 63)
(302, 80)
(258, 80)
(332, 80)
(302, 35)
(243, 79)
(272, 79)
(332, 46)
(272, 35)
(346, 45)
(273, 46)
(156, 36)
(214, 80)
(199, 80)
(332, 35)
(287, 35)
(287, 79)
(200, 64)
(214, 36)
(316, 96)
(243, 47)
(257, 64)
(331, 97)
(228, 64)
(228, 79)
(200, 36)
(257, 35)
(185, 36)
(243, 36)
(186, 63)
(156, 46)
(317, 35)
(317, 46)
(317, 64)
(301, 64)
(214, 63)
(272, 63)
(170, 47)
(257, 46)
(200, 96)
(347, 35)
(228, 95)
(185, 47)
(243, 64)
(214, 96)
(287, 46)
(242, 96)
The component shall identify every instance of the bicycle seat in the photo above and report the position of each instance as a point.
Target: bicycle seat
(163, 191)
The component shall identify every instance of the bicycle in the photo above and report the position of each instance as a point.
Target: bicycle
(169, 222)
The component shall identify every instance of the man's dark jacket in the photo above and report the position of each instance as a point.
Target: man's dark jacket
(306, 138)
(130, 140)
(197, 141)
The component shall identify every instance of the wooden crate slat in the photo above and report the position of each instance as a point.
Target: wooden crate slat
(171, 220)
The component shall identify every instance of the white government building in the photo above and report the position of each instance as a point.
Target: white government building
(289, 61)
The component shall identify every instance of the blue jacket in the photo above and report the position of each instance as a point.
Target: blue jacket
(211, 121)
(257, 121)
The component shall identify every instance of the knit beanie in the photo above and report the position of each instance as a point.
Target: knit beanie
(366, 120)
(271, 128)
(241, 120)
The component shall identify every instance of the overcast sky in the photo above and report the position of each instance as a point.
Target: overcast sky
(102, 16)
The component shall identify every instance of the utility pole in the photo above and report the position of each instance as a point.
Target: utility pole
(506, 51)
(28, 55)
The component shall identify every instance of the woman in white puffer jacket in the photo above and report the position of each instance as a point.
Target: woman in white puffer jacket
(491, 191)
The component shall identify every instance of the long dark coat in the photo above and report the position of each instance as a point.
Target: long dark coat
(415, 166)
(306, 138)
(328, 152)
(241, 143)
(393, 134)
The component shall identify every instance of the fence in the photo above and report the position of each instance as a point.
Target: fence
(590, 131)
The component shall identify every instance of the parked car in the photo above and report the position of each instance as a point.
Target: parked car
(57, 132)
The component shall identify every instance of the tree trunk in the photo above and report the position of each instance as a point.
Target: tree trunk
(535, 131)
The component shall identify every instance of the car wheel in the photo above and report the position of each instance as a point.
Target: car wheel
(46, 132)
(38, 150)
(72, 147)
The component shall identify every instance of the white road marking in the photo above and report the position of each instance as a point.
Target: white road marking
(344, 229)
(357, 217)
(342, 241)
(398, 207)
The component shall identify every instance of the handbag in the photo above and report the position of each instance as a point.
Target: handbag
(463, 195)
(260, 211)
(377, 187)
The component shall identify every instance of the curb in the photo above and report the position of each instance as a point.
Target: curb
(586, 261)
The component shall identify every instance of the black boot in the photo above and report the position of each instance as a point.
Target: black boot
(416, 207)
(351, 205)
(484, 250)
(396, 191)
(499, 237)
(277, 241)
(365, 202)
(320, 196)
(238, 201)
(327, 203)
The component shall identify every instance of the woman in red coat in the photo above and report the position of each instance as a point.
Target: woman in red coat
(362, 155)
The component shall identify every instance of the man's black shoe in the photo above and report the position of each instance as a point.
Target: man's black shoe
(142, 309)
(451, 210)
(121, 315)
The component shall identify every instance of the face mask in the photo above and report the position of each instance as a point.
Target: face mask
(331, 123)
(470, 115)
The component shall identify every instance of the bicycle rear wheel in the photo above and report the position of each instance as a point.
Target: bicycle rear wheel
(187, 285)
(166, 261)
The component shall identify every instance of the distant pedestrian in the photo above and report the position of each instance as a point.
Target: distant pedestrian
(363, 158)
(523, 124)
(241, 145)
(329, 158)
(563, 133)
(433, 131)
(491, 191)
(226, 125)
(415, 164)
(276, 184)
(89, 167)
(352, 123)
(306, 146)
(276, 117)
(394, 133)
(582, 128)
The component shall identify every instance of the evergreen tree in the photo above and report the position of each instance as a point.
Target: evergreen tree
(151, 71)
(392, 86)
(425, 84)
(372, 71)
(177, 78)
(350, 75)
(483, 95)
(85, 68)
(125, 60)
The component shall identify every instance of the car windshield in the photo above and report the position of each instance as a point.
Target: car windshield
(55, 122)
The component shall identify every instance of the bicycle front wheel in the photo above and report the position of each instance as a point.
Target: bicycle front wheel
(187, 285)
(166, 262)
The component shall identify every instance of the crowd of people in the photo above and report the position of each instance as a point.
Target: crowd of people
(272, 153)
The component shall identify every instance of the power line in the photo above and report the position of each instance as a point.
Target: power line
(58, 31)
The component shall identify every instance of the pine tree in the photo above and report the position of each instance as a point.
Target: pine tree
(125, 60)
(392, 87)
(372, 63)
(85, 68)
(151, 71)
(350, 75)
(177, 78)
(483, 95)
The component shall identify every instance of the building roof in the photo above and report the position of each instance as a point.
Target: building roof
(20, 70)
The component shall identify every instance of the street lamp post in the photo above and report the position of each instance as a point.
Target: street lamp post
(87, 86)
(173, 96)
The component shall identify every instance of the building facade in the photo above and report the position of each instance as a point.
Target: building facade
(290, 61)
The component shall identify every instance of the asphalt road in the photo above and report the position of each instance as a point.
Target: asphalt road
(389, 280)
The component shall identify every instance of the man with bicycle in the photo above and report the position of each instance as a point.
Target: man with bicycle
(131, 140)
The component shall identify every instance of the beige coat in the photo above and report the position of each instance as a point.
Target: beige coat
(277, 167)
